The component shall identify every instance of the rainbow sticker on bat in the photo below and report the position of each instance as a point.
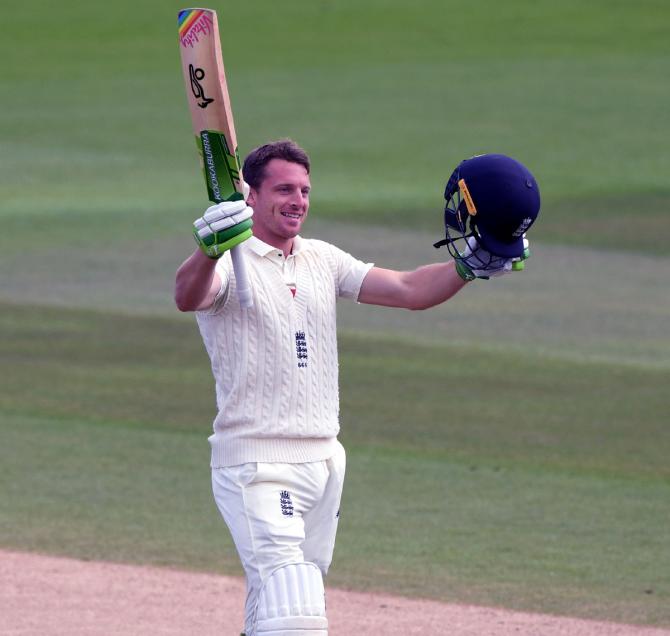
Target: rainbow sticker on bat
(194, 24)
(186, 19)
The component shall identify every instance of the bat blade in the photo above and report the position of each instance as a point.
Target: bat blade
(212, 116)
(209, 103)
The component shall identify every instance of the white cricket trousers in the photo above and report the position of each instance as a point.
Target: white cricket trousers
(279, 514)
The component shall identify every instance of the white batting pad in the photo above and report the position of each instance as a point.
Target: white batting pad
(292, 602)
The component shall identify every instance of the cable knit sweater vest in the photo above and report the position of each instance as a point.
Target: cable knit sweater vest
(275, 364)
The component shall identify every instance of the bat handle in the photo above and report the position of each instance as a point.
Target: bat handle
(243, 287)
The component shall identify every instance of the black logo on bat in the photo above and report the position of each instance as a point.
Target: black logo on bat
(197, 74)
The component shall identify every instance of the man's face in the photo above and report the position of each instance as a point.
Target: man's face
(281, 202)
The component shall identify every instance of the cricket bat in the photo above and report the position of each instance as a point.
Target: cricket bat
(212, 117)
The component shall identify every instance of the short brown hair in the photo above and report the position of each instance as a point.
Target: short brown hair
(286, 149)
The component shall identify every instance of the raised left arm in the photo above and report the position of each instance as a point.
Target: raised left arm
(422, 288)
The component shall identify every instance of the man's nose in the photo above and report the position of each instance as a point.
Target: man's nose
(298, 200)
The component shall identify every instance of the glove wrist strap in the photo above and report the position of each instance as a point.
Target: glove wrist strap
(217, 250)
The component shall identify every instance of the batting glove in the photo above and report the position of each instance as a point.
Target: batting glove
(476, 262)
(222, 227)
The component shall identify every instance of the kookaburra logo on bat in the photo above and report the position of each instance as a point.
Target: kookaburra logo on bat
(197, 74)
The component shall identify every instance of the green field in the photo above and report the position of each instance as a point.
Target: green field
(509, 448)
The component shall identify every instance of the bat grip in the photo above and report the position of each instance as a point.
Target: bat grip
(243, 287)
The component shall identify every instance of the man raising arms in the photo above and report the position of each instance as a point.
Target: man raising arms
(277, 466)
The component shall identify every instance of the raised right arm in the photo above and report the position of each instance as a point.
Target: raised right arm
(220, 228)
(197, 283)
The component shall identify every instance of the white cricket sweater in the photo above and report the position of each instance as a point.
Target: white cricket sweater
(275, 364)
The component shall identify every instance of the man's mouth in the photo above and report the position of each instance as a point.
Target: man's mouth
(291, 215)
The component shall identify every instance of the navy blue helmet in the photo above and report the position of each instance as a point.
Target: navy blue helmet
(494, 199)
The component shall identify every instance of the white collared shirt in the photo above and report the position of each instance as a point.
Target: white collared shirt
(350, 283)
(285, 264)
(275, 363)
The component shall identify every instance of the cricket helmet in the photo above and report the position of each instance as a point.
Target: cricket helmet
(494, 199)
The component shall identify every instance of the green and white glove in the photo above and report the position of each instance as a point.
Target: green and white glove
(476, 262)
(222, 227)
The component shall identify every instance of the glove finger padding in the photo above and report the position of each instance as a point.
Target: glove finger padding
(222, 227)
(230, 212)
(220, 237)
